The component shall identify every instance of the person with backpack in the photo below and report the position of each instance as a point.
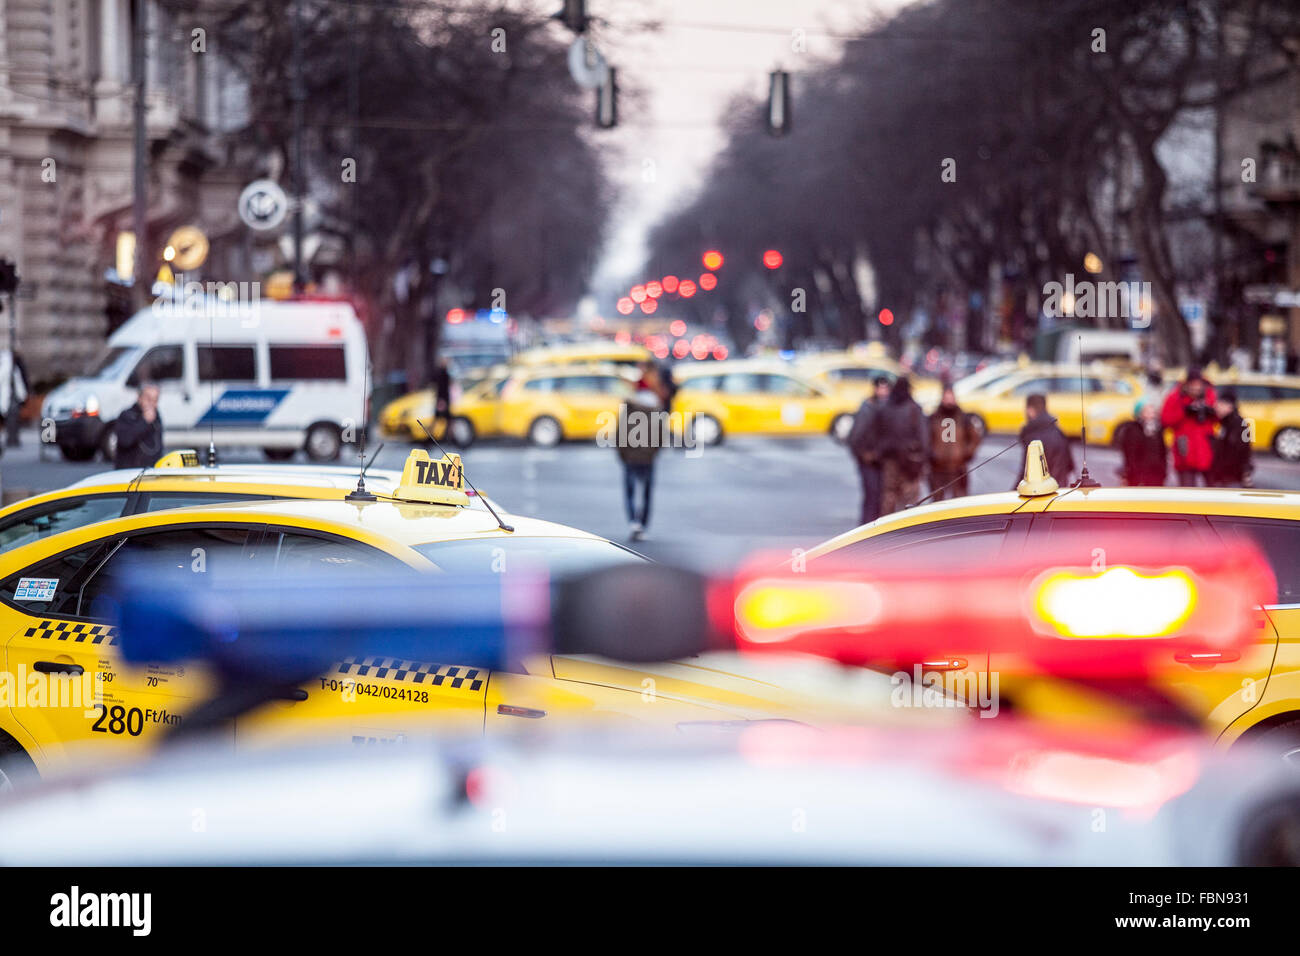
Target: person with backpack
(1233, 462)
(902, 447)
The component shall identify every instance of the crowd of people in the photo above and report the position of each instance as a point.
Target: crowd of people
(896, 445)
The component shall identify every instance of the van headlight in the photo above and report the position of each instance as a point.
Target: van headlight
(92, 404)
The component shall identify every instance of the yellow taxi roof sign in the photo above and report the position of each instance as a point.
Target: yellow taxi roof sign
(1038, 480)
(436, 481)
(181, 458)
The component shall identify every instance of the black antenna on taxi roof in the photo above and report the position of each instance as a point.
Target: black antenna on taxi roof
(487, 504)
(212, 389)
(360, 493)
(1085, 480)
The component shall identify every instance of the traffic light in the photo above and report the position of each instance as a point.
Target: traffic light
(574, 15)
(8, 276)
(778, 103)
(607, 101)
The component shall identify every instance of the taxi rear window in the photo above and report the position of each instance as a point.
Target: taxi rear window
(557, 557)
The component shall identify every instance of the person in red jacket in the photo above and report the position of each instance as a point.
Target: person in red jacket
(1189, 413)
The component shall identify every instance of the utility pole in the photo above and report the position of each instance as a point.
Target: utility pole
(140, 172)
(297, 94)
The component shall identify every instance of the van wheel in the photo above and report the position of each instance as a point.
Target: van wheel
(841, 425)
(16, 768)
(324, 442)
(76, 454)
(279, 454)
(545, 432)
(108, 443)
(1286, 443)
(461, 432)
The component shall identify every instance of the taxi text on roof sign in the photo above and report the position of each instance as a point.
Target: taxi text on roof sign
(432, 480)
(184, 458)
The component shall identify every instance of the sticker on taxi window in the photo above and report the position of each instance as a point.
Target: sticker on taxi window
(36, 589)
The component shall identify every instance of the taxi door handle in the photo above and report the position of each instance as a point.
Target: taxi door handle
(293, 695)
(54, 667)
(1206, 658)
(946, 664)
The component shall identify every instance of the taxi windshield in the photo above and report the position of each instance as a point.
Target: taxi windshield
(558, 557)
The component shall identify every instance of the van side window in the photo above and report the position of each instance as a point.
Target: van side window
(162, 363)
(308, 363)
(227, 363)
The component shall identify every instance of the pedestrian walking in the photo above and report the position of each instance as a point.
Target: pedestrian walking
(902, 447)
(639, 437)
(953, 442)
(441, 395)
(1040, 426)
(1142, 443)
(1189, 413)
(862, 445)
(1233, 463)
(13, 392)
(139, 431)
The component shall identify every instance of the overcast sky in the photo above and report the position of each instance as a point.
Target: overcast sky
(677, 81)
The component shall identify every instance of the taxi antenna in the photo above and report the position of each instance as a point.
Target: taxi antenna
(360, 493)
(1085, 480)
(212, 392)
(969, 472)
(486, 503)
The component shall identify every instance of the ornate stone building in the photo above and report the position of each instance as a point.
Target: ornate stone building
(66, 159)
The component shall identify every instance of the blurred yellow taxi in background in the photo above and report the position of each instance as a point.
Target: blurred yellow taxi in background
(853, 372)
(473, 411)
(758, 397)
(609, 353)
(1108, 396)
(551, 404)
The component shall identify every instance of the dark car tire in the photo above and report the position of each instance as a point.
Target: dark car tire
(108, 443)
(545, 432)
(1286, 444)
(279, 454)
(712, 430)
(324, 442)
(77, 453)
(460, 431)
(1283, 740)
(841, 425)
(16, 768)
(977, 422)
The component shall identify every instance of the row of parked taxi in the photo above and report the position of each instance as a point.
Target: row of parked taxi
(551, 395)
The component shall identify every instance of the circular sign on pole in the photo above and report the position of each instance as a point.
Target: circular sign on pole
(189, 248)
(263, 204)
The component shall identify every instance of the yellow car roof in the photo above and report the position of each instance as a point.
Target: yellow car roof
(1235, 502)
(774, 366)
(595, 351)
(408, 523)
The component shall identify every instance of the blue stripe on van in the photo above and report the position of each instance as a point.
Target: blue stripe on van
(243, 406)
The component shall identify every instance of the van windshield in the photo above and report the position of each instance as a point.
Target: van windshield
(115, 361)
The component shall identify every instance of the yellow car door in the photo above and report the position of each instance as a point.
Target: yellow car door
(800, 409)
(365, 699)
(585, 399)
(62, 641)
(1218, 689)
(748, 408)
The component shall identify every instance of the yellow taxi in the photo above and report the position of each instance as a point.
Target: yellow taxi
(1107, 395)
(758, 397)
(58, 639)
(1252, 695)
(854, 372)
(1271, 403)
(584, 353)
(548, 404)
(474, 408)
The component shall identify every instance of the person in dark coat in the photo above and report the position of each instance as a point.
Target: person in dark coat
(902, 447)
(1233, 464)
(861, 443)
(441, 395)
(1056, 447)
(953, 442)
(1142, 443)
(139, 431)
(641, 432)
(1189, 412)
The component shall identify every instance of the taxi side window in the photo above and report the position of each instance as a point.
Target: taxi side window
(857, 374)
(701, 383)
(36, 523)
(1280, 543)
(962, 541)
(785, 385)
(54, 585)
(162, 363)
(1254, 393)
(299, 555)
(1034, 385)
(583, 384)
(162, 500)
(540, 385)
(741, 383)
(1107, 538)
(181, 558)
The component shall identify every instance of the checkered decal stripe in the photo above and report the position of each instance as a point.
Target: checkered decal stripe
(438, 675)
(77, 633)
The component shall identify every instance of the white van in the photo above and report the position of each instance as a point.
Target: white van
(278, 375)
(1114, 346)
